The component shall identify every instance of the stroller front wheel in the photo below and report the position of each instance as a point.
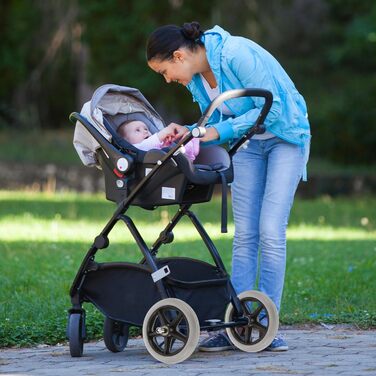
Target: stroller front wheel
(263, 322)
(115, 335)
(76, 334)
(171, 331)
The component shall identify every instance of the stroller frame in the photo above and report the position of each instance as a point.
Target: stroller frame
(115, 327)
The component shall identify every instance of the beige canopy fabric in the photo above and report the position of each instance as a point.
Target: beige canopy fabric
(112, 100)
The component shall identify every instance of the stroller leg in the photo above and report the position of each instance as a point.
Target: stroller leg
(238, 310)
(208, 242)
(164, 235)
(146, 252)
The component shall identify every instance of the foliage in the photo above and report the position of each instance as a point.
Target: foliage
(346, 113)
(35, 63)
(117, 32)
(53, 54)
(16, 21)
(328, 47)
(43, 239)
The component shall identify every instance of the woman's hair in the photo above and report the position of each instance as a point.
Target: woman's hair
(163, 41)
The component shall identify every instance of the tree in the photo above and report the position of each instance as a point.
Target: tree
(54, 53)
(116, 33)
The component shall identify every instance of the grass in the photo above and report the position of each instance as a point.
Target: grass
(43, 238)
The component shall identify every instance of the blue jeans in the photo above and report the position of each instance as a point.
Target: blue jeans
(266, 175)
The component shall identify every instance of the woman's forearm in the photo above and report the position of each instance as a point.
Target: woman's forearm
(210, 135)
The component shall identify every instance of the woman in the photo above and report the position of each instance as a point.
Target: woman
(267, 171)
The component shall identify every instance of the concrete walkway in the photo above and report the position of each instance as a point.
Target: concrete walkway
(319, 351)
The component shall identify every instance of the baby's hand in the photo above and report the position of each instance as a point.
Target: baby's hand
(164, 134)
(168, 140)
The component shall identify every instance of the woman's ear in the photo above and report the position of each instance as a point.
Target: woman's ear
(178, 55)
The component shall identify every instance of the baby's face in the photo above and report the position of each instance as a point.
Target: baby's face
(136, 131)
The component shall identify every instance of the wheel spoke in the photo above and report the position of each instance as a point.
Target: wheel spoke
(262, 329)
(179, 336)
(247, 335)
(162, 317)
(245, 307)
(168, 342)
(177, 320)
(257, 311)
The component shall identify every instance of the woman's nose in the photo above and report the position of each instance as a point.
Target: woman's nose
(167, 79)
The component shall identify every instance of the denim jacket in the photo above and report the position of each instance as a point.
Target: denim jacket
(238, 63)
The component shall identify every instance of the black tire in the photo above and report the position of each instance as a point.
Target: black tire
(75, 334)
(115, 335)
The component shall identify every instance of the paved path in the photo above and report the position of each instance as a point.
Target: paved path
(313, 351)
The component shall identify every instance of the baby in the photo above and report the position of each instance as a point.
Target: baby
(137, 133)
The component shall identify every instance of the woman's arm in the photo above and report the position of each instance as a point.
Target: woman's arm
(252, 72)
(210, 135)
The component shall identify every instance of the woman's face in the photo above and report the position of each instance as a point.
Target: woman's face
(179, 69)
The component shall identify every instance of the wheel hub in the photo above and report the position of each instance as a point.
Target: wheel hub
(162, 330)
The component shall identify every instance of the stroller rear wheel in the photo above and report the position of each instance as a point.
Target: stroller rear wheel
(262, 325)
(171, 331)
(76, 334)
(115, 335)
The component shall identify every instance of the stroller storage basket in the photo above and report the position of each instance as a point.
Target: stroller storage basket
(111, 287)
(201, 285)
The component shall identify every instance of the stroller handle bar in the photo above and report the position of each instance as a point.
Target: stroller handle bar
(230, 94)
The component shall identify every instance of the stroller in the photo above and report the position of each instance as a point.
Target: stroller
(171, 298)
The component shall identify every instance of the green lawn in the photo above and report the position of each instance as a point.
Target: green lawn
(43, 238)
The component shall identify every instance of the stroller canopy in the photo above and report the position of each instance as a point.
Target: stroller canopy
(117, 104)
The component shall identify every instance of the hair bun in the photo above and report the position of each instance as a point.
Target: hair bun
(191, 30)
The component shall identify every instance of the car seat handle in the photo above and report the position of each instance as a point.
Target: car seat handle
(122, 162)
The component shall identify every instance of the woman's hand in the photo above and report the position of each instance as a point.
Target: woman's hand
(178, 130)
(171, 132)
(166, 135)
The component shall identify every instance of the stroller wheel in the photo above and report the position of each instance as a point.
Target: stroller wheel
(263, 322)
(76, 334)
(171, 331)
(115, 335)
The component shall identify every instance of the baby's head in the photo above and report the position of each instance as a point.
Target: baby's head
(134, 131)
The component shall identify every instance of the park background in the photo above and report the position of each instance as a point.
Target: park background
(54, 53)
